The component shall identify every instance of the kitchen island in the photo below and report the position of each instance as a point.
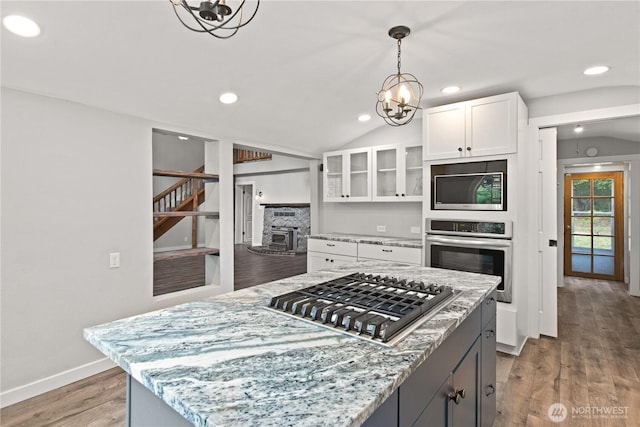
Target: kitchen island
(229, 361)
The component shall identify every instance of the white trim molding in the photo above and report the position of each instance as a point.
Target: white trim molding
(61, 379)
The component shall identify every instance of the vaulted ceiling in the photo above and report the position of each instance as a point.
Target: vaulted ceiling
(305, 70)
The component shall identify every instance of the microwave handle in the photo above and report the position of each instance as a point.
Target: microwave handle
(469, 242)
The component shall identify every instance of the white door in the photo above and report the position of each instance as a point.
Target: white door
(548, 233)
(247, 213)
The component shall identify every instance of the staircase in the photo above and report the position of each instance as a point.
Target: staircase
(180, 200)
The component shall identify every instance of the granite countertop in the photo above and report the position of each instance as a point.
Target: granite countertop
(229, 361)
(373, 240)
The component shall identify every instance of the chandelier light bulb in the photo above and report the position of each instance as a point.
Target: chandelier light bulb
(401, 93)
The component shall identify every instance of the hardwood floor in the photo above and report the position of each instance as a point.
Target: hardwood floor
(593, 365)
(253, 269)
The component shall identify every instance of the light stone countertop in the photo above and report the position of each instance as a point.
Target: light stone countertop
(229, 361)
(373, 240)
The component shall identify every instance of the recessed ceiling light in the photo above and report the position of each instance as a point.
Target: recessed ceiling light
(578, 129)
(450, 89)
(21, 26)
(364, 117)
(228, 98)
(599, 69)
(183, 138)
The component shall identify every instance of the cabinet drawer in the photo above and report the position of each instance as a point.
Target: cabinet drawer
(390, 253)
(333, 247)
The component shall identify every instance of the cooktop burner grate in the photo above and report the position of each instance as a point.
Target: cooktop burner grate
(373, 307)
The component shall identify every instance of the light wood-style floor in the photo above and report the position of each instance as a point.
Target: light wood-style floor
(594, 363)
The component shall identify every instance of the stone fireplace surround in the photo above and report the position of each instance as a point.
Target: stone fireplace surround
(286, 215)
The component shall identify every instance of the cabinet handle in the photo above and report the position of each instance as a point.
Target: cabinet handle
(331, 244)
(460, 149)
(457, 395)
(468, 148)
(491, 300)
(489, 390)
(489, 333)
(387, 250)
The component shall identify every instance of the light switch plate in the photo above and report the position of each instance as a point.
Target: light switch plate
(114, 260)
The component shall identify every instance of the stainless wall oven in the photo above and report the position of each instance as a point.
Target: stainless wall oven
(474, 246)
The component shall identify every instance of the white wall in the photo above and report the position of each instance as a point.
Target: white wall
(572, 148)
(604, 97)
(76, 185)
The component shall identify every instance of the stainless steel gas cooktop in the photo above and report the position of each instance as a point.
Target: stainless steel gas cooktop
(382, 309)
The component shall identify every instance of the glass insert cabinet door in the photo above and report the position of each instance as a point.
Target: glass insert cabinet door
(397, 173)
(593, 225)
(347, 175)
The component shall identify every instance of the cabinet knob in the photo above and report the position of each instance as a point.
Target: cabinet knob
(342, 195)
(402, 194)
(489, 333)
(489, 390)
(397, 194)
(468, 148)
(326, 259)
(491, 300)
(331, 260)
(460, 149)
(457, 395)
(347, 195)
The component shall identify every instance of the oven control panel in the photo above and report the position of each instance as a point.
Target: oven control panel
(472, 228)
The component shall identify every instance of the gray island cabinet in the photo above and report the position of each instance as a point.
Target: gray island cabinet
(229, 361)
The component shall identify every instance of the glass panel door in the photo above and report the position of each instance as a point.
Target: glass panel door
(593, 225)
(334, 176)
(359, 174)
(386, 173)
(413, 171)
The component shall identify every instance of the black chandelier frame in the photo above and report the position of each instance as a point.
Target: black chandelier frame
(209, 8)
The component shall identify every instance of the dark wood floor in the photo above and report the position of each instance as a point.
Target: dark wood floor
(252, 269)
(178, 274)
(594, 363)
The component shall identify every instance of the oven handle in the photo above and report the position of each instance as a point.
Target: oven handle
(470, 242)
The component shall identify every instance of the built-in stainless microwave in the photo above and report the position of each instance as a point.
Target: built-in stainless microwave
(464, 187)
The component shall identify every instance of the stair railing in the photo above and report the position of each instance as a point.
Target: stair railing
(168, 200)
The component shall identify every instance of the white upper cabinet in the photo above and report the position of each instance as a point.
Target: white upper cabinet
(481, 127)
(397, 173)
(347, 175)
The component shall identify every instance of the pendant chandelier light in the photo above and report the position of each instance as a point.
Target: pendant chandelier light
(401, 93)
(213, 17)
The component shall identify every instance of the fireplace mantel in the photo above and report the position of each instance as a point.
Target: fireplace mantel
(285, 205)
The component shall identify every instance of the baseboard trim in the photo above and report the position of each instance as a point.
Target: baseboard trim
(44, 385)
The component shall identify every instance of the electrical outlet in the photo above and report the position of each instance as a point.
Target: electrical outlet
(415, 230)
(381, 228)
(114, 260)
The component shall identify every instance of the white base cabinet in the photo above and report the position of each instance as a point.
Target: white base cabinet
(324, 254)
(389, 253)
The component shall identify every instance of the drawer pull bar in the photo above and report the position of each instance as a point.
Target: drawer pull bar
(330, 244)
(387, 250)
